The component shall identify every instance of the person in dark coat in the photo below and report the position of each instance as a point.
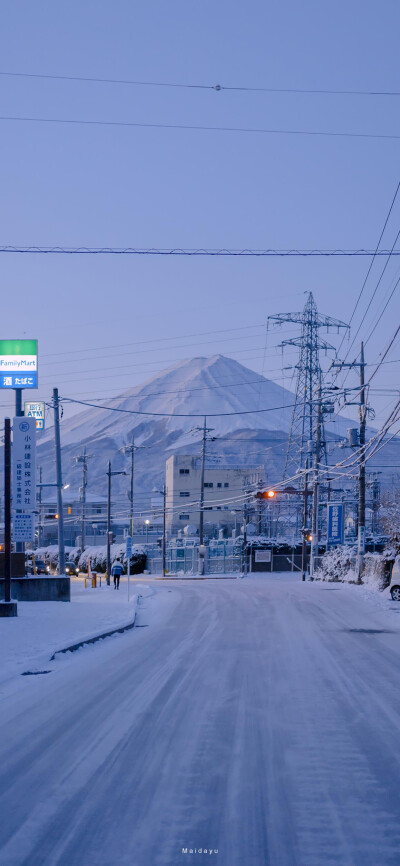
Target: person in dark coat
(116, 571)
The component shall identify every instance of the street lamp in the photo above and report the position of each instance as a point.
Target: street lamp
(147, 528)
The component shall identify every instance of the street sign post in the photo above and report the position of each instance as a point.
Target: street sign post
(37, 411)
(18, 364)
(24, 464)
(335, 523)
(23, 527)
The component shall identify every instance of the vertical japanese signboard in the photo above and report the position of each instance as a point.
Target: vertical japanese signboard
(24, 464)
(335, 523)
(18, 364)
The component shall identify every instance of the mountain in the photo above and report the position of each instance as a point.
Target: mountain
(251, 412)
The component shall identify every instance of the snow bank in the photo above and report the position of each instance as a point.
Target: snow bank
(28, 641)
(339, 564)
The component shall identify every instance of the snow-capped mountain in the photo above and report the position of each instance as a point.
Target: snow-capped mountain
(249, 415)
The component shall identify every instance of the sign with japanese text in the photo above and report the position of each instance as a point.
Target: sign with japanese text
(262, 556)
(24, 464)
(128, 546)
(335, 523)
(35, 410)
(23, 527)
(18, 364)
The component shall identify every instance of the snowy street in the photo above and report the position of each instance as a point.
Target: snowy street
(259, 718)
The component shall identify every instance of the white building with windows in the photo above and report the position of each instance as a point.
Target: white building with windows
(223, 492)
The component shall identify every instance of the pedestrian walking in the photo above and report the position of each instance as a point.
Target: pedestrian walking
(116, 571)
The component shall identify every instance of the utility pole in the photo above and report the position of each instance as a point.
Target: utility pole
(20, 546)
(205, 430)
(317, 455)
(109, 476)
(203, 460)
(39, 501)
(130, 449)
(304, 527)
(164, 492)
(361, 471)
(244, 551)
(108, 522)
(7, 607)
(57, 442)
(362, 414)
(83, 459)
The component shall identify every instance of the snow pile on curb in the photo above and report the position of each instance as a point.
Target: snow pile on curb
(29, 640)
(339, 565)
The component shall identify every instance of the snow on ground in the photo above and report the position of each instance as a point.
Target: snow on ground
(258, 718)
(28, 641)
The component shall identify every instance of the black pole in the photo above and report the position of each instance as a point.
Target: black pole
(20, 546)
(108, 522)
(7, 510)
(361, 471)
(164, 529)
(304, 527)
(203, 458)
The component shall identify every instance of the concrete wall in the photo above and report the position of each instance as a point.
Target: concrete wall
(39, 589)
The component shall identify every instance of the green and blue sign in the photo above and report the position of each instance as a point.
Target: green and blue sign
(18, 364)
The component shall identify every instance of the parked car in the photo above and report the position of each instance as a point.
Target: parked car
(395, 580)
(41, 567)
(71, 568)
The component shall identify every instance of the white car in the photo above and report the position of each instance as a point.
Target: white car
(395, 580)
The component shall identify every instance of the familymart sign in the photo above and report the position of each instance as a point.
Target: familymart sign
(18, 364)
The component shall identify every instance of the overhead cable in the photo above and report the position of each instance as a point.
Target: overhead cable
(198, 127)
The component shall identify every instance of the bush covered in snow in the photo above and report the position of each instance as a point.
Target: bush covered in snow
(98, 557)
(339, 564)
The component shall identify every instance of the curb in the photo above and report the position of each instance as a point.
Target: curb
(87, 640)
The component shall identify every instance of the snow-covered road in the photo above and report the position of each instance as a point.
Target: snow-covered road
(258, 717)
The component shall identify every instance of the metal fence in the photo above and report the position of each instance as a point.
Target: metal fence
(186, 561)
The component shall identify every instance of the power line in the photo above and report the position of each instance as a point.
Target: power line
(197, 127)
(205, 252)
(175, 414)
(377, 252)
(187, 86)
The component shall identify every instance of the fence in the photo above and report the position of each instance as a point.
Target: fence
(185, 560)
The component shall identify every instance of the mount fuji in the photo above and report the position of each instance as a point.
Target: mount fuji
(249, 415)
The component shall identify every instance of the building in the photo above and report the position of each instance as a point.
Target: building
(223, 493)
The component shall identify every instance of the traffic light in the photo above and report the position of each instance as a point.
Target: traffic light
(266, 494)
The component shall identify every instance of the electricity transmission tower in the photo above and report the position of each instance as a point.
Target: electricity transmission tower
(304, 421)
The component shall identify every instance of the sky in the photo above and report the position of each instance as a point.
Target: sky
(105, 324)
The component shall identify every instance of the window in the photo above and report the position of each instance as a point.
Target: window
(226, 484)
(208, 508)
(184, 471)
(97, 511)
(184, 493)
(219, 508)
(183, 517)
(208, 484)
(219, 484)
